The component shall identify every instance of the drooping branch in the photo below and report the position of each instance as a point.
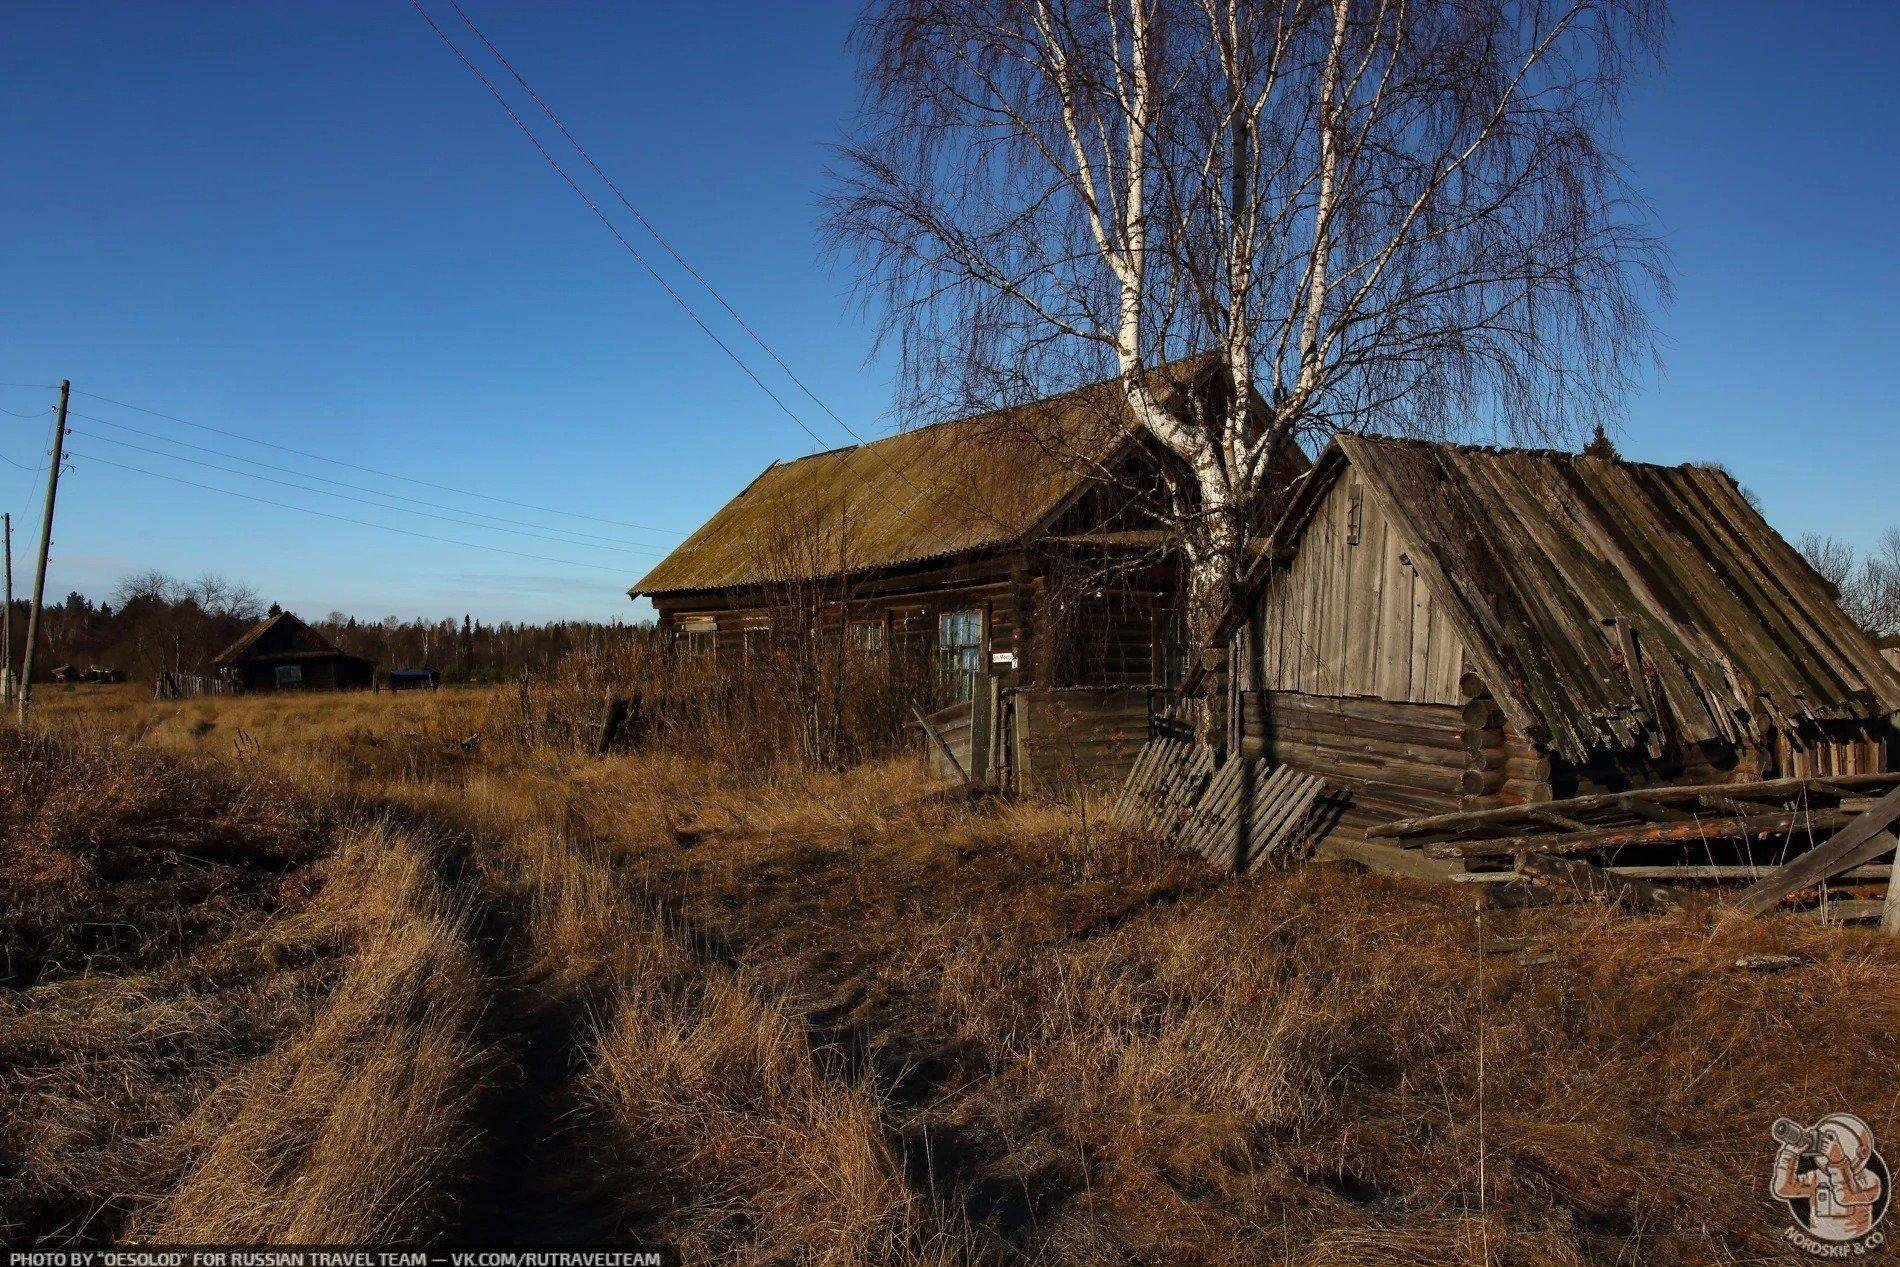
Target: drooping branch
(1394, 215)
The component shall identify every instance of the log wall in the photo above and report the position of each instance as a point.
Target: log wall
(1061, 635)
(1396, 760)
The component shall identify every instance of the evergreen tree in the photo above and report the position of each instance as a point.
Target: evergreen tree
(1601, 446)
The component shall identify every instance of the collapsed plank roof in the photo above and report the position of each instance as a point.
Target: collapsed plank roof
(969, 484)
(1613, 606)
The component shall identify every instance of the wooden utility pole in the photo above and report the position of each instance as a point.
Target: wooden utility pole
(46, 541)
(6, 617)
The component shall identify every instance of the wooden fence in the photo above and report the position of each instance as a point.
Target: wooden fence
(186, 685)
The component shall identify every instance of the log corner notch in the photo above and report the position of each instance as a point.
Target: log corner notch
(1860, 840)
(1484, 743)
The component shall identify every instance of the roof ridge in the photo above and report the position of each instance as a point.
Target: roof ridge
(1517, 450)
(246, 640)
(1058, 398)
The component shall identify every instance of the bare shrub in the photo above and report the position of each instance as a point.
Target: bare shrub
(800, 699)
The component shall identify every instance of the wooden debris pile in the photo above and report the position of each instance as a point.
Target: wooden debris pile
(1785, 841)
(1240, 814)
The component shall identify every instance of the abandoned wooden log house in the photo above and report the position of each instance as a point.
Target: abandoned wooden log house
(1448, 627)
(281, 653)
(1016, 546)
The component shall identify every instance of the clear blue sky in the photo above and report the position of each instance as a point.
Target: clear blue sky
(308, 224)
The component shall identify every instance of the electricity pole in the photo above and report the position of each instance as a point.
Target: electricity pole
(46, 541)
(6, 617)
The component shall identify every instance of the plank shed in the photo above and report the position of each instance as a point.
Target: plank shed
(1449, 627)
(282, 653)
(1016, 547)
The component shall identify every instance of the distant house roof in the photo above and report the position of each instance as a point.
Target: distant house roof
(969, 484)
(1546, 561)
(280, 637)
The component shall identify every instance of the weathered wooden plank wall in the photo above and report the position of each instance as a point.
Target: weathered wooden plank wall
(1066, 737)
(954, 724)
(1350, 616)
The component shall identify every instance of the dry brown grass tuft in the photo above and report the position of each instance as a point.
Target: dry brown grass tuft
(273, 978)
(732, 1140)
(116, 859)
(353, 1131)
(1111, 1052)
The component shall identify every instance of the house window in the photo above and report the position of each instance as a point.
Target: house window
(960, 651)
(694, 638)
(288, 675)
(756, 641)
(867, 637)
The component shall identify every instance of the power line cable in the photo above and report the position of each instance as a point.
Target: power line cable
(657, 276)
(324, 514)
(679, 259)
(364, 501)
(580, 538)
(370, 470)
(648, 225)
(612, 228)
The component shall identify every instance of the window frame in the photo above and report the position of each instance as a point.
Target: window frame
(696, 638)
(960, 662)
(755, 640)
(867, 637)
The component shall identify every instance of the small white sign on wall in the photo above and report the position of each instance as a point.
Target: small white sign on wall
(1003, 659)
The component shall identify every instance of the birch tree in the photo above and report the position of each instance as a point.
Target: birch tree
(1392, 215)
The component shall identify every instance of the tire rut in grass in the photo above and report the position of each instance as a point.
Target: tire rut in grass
(535, 1184)
(533, 1181)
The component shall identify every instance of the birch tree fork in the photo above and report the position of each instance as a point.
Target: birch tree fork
(1376, 215)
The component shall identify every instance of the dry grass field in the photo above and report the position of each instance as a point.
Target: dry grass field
(401, 966)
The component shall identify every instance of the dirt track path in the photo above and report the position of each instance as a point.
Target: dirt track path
(532, 1189)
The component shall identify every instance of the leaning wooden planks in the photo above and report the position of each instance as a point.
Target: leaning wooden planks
(1167, 781)
(1239, 815)
(1261, 815)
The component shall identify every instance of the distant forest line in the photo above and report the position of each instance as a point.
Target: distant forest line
(154, 622)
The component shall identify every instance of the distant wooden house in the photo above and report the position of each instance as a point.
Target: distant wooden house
(1450, 627)
(281, 653)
